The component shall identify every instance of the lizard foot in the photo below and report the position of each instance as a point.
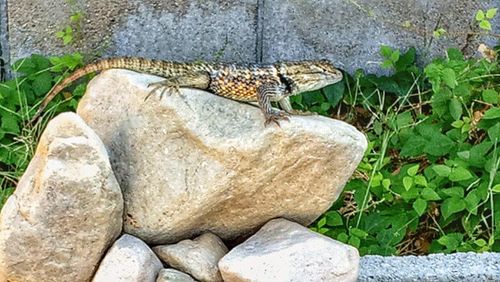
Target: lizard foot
(168, 86)
(275, 116)
(302, 113)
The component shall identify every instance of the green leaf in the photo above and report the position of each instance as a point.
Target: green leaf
(385, 51)
(449, 78)
(334, 93)
(10, 124)
(455, 54)
(386, 64)
(430, 195)
(457, 123)
(490, 96)
(492, 113)
(439, 32)
(386, 183)
(451, 206)
(354, 241)
(321, 222)
(358, 233)
(471, 201)
(60, 34)
(451, 241)
(325, 106)
(343, 237)
(67, 39)
(42, 83)
(406, 60)
(490, 14)
(455, 108)
(404, 119)
(420, 180)
(480, 242)
(414, 146)
(441, 147)
(496, 188)
(442, 170)
(480, 15)
(494, 132)
(459, 174)
(412, 171)
(420, 206)
(484, 24)
(395, 56)
(407, 182)
(454, 192)
(333, 218)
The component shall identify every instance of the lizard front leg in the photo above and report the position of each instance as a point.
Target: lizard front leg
(287, 107)
(264, 94)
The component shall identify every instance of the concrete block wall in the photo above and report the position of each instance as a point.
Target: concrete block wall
(348, 32)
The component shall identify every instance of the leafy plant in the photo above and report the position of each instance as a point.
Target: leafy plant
(429, 180)
(19, 98)
(483, 18)
(73, 29)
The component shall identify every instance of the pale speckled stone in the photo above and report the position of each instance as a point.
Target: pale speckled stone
(173, 275)
(66, 210)
(198, 257)
(197, 162)
(128, 260)
(288, 252)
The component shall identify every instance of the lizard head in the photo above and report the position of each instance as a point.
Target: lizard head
(309, 75)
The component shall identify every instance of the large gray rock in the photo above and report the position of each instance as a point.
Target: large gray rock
(351, 32)
(473, 267)
(173, 275)
(348, 32)
(128, 260)
(175, 30)
(66, 210)
(197, 162)
(198, 257)
(288, 252)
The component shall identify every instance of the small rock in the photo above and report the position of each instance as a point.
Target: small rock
(286, 251)
(128, 260)
(173, 275)
(66, 210)
(198, 257)
(213, 160)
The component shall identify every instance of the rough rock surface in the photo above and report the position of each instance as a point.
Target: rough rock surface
(195, 162)
(128, 260)
(173, 275)
(198, 257)
(286, 251)
(66, 210)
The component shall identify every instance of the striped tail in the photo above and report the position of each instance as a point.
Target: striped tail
(156, 67)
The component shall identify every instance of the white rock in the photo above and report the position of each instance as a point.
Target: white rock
(128, 260)
(286, 251)
(66, 210)
(197, 162)
(198, 257)
(173, 275)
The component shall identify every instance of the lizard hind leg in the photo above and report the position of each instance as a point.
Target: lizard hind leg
(169, 86)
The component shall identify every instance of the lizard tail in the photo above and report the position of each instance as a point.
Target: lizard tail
(137, 64)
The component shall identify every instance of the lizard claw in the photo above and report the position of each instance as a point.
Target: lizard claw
(275, 116)
(168, 86)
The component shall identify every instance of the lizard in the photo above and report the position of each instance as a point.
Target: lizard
(261, 83)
